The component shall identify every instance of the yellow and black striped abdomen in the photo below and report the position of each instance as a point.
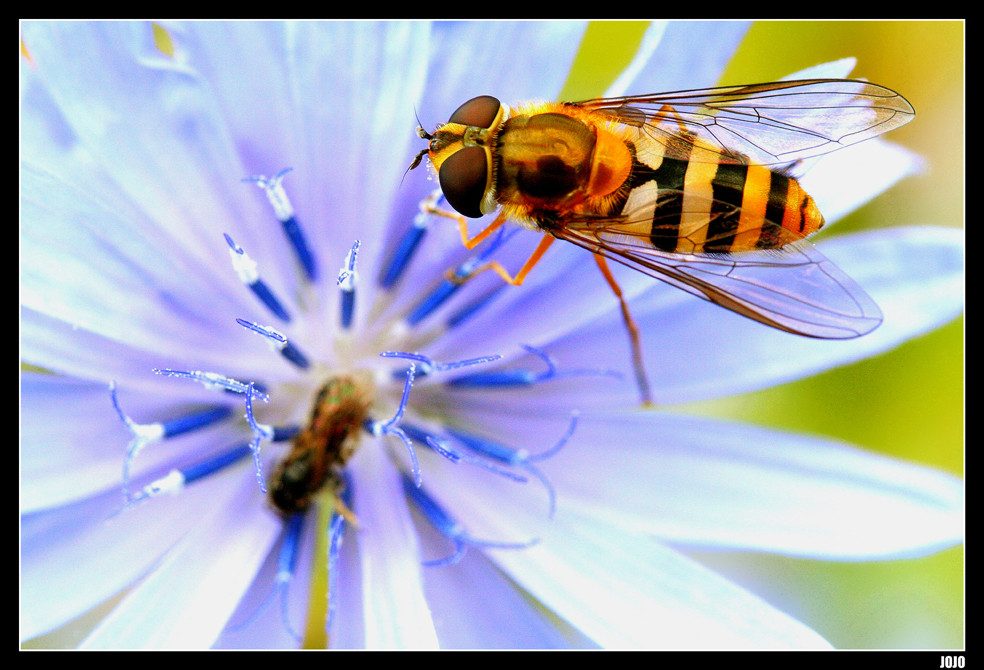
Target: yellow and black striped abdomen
(706, 207)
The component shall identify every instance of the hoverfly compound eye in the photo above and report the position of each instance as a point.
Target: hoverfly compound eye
(480, 112)
(464, 178)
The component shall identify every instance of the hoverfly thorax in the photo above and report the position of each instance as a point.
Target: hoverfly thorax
(547, 160)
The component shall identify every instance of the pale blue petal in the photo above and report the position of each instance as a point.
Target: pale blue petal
(396, 615)
(186, 600)
(728, 486)
(670, 60)
(151, 124)
(621, 589)
(77, 556)
(465, 597)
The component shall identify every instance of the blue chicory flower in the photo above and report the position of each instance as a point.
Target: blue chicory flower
(538, 482)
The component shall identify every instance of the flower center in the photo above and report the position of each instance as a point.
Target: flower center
(318, 452)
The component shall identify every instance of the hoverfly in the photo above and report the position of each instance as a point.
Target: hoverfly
(693, 187)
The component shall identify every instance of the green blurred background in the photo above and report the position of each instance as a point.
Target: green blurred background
(908, 402)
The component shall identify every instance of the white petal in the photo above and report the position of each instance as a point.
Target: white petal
(78, 556)
(668, 61)
(726, 485)
(844, 180)
(626, 591)
(186, 601)
(396, 612)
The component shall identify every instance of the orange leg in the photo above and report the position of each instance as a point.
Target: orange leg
(534, 258)
(642, 381)
(669, 109)
(429, 205)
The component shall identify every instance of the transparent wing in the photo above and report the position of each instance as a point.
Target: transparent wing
(768, 124)
(792, 288)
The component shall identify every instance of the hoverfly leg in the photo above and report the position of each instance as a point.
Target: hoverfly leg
(530, 263)
(429, 205)
(642, 380)
(669, 112)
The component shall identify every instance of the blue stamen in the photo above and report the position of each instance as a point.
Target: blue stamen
(144, 434)
(278, 342)
(404, 251)
(429, 365)
(347, 278)
(284, 211)
(212, 465)
(215, 381)
(418, 434)
(286, 568)
(520, 458)
(524, 377)
(472, 308)
(335, 532)
(450, 528)
(185, 424)
(460, 274)
(284, 433)
(260, 432)
(391, 427)
(245, 268)
(178, 478)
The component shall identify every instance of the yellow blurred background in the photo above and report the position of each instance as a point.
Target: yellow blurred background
(908, 402)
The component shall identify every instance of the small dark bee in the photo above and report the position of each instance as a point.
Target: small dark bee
(318, 452)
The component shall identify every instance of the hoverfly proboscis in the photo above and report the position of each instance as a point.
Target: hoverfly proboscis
(694, 188)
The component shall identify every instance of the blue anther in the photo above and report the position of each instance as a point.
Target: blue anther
(194, 421)
(524, 377)
(404, 252)
(520, 458)
(212, 465)
(278, 342)
(260, 432)
(450, 527)
(462, 315)
(215, 381)
(284, 433)
(449, 287)
(430, 366)
(178, 478)
(347, 279)
(391, 427)
(297, 239)
(245, 268)
(418, 434)
(434, 299)
(144, 434)
(284, 211)
(286, 568)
